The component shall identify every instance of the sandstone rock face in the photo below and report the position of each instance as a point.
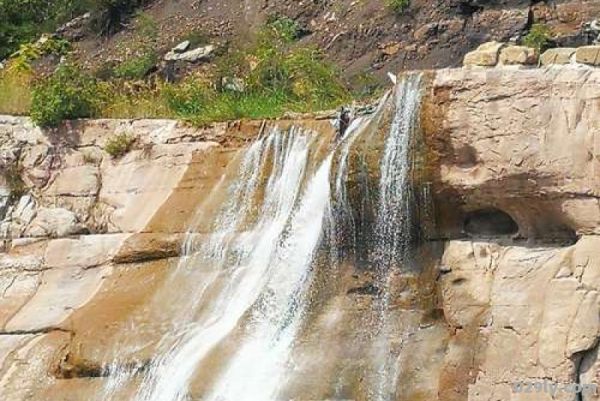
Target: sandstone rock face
(93, 237)
(509, 293)
(523, 307)
(561, 55)
(486, 55)
(518, 55)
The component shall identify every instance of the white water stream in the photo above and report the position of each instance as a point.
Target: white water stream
(251, 278)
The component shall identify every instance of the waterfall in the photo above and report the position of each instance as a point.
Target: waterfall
(394, 225)
(242, 294)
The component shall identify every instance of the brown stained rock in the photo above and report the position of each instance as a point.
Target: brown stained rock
(486, 55)
(588, 55)
(518, 55)
(560, 55)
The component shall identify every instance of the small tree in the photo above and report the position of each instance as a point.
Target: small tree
(538, 37)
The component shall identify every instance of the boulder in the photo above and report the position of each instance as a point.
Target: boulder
(561, 55)
(191, 56)
(485, 55)
(182, 47)
(233, 84)
(518, 55)
(588, 55)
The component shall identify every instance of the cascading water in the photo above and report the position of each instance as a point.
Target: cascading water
(245, 295)
(394, 226)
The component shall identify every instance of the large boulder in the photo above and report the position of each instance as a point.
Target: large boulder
(518, 55)
(191, 56)
(561, 55)
(486, 55)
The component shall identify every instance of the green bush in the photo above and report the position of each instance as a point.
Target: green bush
(283, 28)
(119, 145)
(538, 37)
(137, 67)
(399, 6)
(68, 93)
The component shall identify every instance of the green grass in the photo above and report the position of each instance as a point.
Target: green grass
(278, 76)
(15, 92)
(67, 94)
(119, 145)
(137, 67)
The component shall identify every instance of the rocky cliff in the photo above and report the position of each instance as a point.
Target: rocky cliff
(510, 163)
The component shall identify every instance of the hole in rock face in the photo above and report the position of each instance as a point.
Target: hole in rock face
(490, 223)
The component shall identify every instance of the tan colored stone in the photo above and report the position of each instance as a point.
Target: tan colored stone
(518, 55)
(560, 55)
(56, 223)
(75, 181)
(486, 55)
(588, 55)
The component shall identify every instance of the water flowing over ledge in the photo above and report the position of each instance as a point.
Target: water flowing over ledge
(124, 278)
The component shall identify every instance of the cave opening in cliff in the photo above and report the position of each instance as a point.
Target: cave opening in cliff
(490, 222)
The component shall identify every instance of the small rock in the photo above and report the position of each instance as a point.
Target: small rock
(518, 55)
(391, 48)
(182, 47)
(588, 55)
(561, 55)
(426, 31)
(233, 84)
(191, 56)
(485, 55)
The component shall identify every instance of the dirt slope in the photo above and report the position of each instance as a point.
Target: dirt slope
(361, 35)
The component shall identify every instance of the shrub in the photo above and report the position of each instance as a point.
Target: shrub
(283, 28)
(119, 145)
(538, 37)
(68, 93)
(399, 6)
(137, 67)
(146, 25)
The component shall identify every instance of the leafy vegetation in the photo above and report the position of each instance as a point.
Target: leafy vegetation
(399, 6)
(263, 81)
(538, 37)
(22, 21)
(119, 145)
(68, 93)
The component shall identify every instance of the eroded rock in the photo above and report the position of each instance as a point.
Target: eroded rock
(518, 55)
(561, 55)
(588, 55)
(486, 55)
